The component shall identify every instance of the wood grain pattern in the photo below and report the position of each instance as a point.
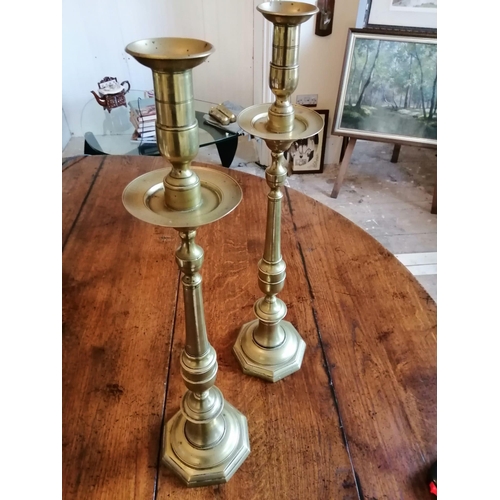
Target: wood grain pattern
(367, 380)
(380, 341)
(293, 425)
(116, 341)
(77, 183)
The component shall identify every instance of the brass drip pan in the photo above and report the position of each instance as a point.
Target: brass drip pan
(144, 199)
(307, 123)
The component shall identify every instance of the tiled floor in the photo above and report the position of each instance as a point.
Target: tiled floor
(390, 201)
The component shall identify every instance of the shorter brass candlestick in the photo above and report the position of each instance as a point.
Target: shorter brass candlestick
(270, 347)
(207, 439)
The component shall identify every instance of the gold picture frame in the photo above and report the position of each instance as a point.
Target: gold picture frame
(388, 89)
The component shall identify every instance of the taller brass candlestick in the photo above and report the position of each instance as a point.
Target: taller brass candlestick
(270, 347)
(207, 439)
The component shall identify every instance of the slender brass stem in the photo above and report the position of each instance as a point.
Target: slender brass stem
(270, 347)
(189, 257)
(207, 440)
(203, 403)
(272, 268)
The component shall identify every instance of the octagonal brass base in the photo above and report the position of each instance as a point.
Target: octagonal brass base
(215, 465)
(274, 363)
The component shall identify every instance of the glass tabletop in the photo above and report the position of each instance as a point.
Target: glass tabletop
(111, 132)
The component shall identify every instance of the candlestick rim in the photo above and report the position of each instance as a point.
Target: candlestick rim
(170, 53)
(143, 198)
(306, 124)
(169, 48)
(287, 13)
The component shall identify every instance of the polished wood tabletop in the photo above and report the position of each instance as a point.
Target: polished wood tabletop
(358, 420)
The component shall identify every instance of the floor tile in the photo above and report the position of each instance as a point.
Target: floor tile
(417, 259)
(430, 285)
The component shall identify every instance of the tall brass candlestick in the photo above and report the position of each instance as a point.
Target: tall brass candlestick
(270, 347)
(207, 439)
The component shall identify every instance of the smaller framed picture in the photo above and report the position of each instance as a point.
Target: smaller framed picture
(409, 15)
(306, 156)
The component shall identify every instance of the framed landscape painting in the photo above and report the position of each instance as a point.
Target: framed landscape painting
(307, 156)
(412, 15)
(388, 90)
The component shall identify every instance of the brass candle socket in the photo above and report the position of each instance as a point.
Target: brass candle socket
(284, 67)
(172, 60)
(207, 439)
(269, 347)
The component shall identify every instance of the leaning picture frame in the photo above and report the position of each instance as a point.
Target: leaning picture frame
(307, 156)
(407, 15)
(388, 88)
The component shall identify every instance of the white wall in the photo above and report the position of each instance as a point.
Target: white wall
(321, 60)
(95, 34)
(66, 134)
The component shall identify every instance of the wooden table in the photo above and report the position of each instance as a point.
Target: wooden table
(357, 421)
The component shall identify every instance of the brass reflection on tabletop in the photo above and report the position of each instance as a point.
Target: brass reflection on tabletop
(206, 441)
(269, 347)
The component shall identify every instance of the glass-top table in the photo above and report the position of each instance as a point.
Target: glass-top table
(111, 133)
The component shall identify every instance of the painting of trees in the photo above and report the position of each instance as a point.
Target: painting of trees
(392, 86)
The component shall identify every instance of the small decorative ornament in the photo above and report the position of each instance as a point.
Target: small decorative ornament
(324, 18)
(111, 93)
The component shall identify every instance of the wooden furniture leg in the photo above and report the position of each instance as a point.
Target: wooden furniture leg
(434, 207)
(345, 142)
(343, 168)
(395, 153)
